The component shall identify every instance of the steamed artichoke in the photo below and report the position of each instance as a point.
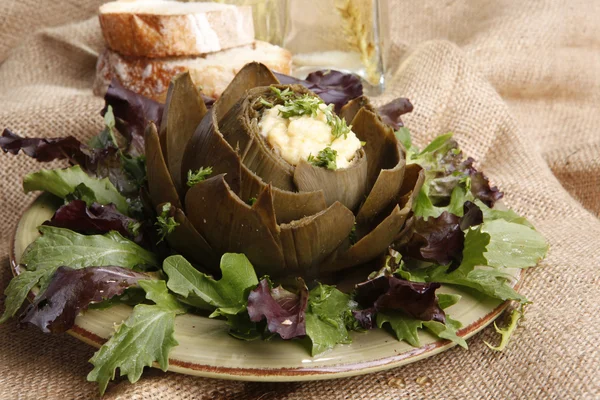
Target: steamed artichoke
(289, 220)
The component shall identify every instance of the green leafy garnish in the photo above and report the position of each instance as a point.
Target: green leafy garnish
(325, 159)
(63, 182)
(145, 337)
(135, 167)
(507, 332)
(107, 137)
(296, 106)
(165, 223)
(283, 95)
(227, 296)
(407, 328)
(251, 201)
(198, 176)
(59, 246)
(82, 192)
(328, 314)
(496, 244)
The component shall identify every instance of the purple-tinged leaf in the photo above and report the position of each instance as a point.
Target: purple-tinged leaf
(132, 113)
(472, 216)
(283, 310)
(416, 299)
(334, 87)
(438, 240)
(366, 317)
(481, 189)
(71, 291)
(97, 219)
(45, 149)
(390, 113)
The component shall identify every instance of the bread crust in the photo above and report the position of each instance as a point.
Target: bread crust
(163, 35)
(213, 72)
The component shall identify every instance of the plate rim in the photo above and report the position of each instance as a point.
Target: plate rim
(281, 374)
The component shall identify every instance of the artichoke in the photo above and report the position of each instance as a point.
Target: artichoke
(289, 219)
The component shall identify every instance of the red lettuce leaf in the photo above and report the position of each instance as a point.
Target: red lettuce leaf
(103, 163)
(481, 189)
(96, 219)
(390, 113)
(132, 113)
(438, 240)
(365, 318)
(334, 87)
(45, 149)
(283, 310)
(72, 290)
(472, 216)
(387, 292)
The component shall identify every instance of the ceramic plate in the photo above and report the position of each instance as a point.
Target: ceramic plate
(206, 349)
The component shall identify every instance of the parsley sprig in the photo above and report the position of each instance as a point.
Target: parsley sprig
(198, 176)
(166, 224)
(325, 159)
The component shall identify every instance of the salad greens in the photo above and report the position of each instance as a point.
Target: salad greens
(62, 182)
(145, 337)
(106, 236)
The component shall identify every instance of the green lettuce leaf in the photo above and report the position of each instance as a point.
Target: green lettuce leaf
(59, 246)
(62, 182)
(227, 296)
(145, 337)
(407, 328)
(497, 244)
(446, 300)
(328, 316)
(17, 291)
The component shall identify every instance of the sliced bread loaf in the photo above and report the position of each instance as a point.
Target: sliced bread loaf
(212, 72)
(158, 28)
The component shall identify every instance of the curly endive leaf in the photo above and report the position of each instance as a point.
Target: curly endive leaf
(144, 338)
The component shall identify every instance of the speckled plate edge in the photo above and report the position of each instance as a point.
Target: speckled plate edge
(263, 374)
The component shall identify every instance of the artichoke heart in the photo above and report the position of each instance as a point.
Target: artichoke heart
(291, 184)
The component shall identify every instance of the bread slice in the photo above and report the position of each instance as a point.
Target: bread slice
(158, 28)
(212, 72)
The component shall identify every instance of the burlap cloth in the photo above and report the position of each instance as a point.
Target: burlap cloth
(520, 87)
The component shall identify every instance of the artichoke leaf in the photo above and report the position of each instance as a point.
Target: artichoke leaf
(184, 109)
(252, 75)
(230, 225)
(185, 239)
(208, 148)
(385, 192)
(351, 108)
(381, 147)
(309, 241)
(347, 185)
(160, 184)
(414, 177)
(371, 245)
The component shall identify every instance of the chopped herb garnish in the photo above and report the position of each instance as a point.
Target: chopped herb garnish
(296, 106)
(251, 201)
(352, 237)
(283, 95)
(134, 228)
(265, 103)
(325, 159)
(166, 224)
(198, 176)
(305, 105)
